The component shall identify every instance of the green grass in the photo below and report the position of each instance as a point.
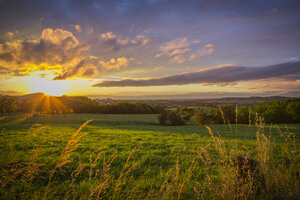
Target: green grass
(161, 152)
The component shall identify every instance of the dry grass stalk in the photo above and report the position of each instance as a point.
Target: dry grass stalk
(125, 171)
(65, 155)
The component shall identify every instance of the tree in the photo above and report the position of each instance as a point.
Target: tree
(170, 118)
(294, 109)
(229, 112)
(243, 115)
(158, 109)
(201, 116)
(175, 118)
(163, 117)
(8, 104)
(187, 113)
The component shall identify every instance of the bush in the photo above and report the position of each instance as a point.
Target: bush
(200, 116)
(171, 118)
(187, 113)
(163, 117)
(176, 119)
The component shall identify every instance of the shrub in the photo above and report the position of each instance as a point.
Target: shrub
(170, 118)
(187, 113)
(163, 117)
(200, 116)
(175, 119)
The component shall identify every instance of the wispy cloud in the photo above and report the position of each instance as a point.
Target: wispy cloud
(178, 43)
(217, 75)
(206, 50)
(158, 68)
(116, 43)
(181, 50)
(176, 46)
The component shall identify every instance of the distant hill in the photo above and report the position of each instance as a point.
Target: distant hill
(186, 102)
(30, 97)
(227, 100)
(41, 101)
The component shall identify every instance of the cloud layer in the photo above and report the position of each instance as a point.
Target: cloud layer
(218, 75)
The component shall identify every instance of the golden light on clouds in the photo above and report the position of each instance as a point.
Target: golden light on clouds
(57, 50)
(115, 63)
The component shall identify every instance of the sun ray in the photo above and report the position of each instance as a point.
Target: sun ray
(57, 105)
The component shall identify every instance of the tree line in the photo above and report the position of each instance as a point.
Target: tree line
(68, 104)
(279, 111)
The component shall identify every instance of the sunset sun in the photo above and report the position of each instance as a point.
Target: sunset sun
(49, 87)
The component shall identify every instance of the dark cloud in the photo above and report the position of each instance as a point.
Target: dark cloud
(4, 70)
(217, 75)
(82, 69)
(115, 43)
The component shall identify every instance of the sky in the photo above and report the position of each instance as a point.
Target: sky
(150, 48)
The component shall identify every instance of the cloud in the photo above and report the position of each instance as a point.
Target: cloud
(176, 46)
(177, 49)
(77, 28)
(286, 85)
(178, 43)
(217, 75)
(82, 69)
(10, 34)
(117, 43)
(178, 59)
(206, 50)
(158, 68)
(5, 71)
(57, 50)
(115, 63)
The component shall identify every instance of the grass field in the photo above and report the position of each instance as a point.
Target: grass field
(132, 157)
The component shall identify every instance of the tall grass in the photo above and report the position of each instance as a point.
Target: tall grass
(213, 172)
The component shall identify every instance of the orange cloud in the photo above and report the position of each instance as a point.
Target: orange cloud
(178, 43)
(178, 59)
(158, 68)
(206, 50)
(77, 28)
(10, 34)
(178, 51)
(115, 63)
(57, 50)
(178, 48)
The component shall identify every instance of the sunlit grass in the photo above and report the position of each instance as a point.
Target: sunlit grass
(131, 157)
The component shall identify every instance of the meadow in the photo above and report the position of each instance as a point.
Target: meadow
(119, 156)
